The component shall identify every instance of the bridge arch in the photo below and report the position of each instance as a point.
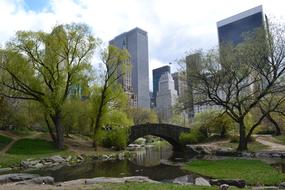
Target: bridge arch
(168, 132)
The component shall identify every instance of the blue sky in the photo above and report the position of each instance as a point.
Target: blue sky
(36, 5)
(174, 26)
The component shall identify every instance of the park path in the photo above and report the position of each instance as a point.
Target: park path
(269, 141)
(15, 139)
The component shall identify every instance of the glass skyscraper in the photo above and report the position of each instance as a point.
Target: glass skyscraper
(156, 74)
(235, 28)
(136, 42)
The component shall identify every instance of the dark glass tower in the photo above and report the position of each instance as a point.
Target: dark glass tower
(235, 28)
(156, 74)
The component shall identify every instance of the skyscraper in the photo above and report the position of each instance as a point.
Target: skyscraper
(166, 97)
(235, 28)
(156, 74)
(136, 42)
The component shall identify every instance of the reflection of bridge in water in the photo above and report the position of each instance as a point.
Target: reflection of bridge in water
(168, 132)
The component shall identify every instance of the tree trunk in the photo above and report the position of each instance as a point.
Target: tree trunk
(277, 128)
(242, 137)
(50, 130)
(59, 130)
(223, 132)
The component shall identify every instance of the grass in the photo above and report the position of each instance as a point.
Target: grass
(254, 172)
(32, 147)
(4, 141)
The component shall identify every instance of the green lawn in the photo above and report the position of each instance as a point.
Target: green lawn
(4, 141)
(254, 172)
(32, 147)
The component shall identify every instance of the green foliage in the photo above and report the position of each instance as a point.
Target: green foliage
(194, 137)
(142, 116)
(116, 138)
(254, 172)
(76, 116)
(213, 122)
(32, 147)
(4, 141)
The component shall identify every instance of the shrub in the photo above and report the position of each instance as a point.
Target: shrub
(194, 137)
(116, 138)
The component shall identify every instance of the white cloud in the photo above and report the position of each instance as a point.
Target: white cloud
(173, 27)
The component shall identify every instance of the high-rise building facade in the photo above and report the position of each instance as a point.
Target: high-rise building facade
(136, 42)
(156, 74)
(166, 97)
(236, 28)
(180, 83)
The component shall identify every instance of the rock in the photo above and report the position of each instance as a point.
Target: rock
(224, 187)
(39, 165)
(202, 181)
(139, 179)
(5, 169)
(16, 177)
(69, 158)
(184, 180)
(57, 159)
(104, 180)
(121, 156)
(282, 185)
(25, 164)
(265, 188)
(79, 157)
(200, 149)
(38, 180)
(232, 182)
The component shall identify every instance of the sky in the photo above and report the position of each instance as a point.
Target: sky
(174, 26)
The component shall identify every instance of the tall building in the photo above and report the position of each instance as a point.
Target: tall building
(235, 28)
(166, 97)
(156, 74)
(136, 42)
(179, 83)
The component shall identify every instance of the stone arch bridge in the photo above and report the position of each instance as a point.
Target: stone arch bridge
(167, 132)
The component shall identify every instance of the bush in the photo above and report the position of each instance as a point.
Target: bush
(194, 137)
(116, 138)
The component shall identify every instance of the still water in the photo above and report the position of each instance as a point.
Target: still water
(159, 164)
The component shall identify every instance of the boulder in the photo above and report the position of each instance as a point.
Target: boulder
(200, 149)
(202, 181)
(57, 159)
(138, 179)
(282, 185)
(184, 180)
(231, 182)
(224, 187)
(104, 180)
(38, 181)
(5, 169)
(16, 177)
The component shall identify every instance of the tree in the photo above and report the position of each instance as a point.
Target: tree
(116, 63)
(42, 67)
(141, 116)
(243, 78)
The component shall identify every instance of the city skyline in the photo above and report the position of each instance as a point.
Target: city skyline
(174, 27)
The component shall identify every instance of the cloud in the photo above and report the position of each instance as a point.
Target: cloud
(173, 27)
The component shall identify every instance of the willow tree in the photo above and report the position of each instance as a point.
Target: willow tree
(244, 78)
(105, 97)
(43, 66)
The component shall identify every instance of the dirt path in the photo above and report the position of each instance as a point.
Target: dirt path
(269, 141)
(15, 139)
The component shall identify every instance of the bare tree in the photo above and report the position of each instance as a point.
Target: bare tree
(243, 78)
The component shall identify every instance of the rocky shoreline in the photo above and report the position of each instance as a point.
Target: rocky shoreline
(34, 181)
(217, 151)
